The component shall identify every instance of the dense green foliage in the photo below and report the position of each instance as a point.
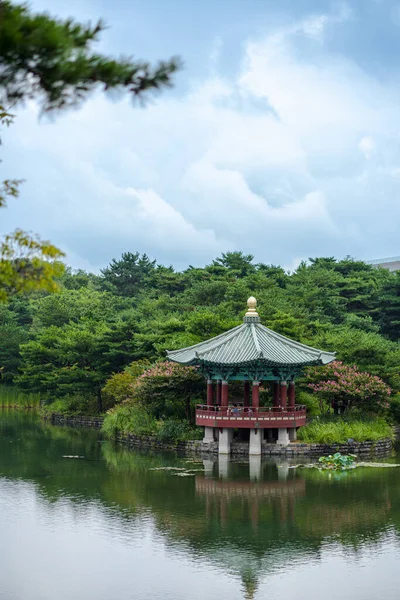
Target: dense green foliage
(85, 341)
(159, 402)
(131, 418)
(340, 431)
(54, 59)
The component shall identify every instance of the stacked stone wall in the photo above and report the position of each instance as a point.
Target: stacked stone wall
(363, 449)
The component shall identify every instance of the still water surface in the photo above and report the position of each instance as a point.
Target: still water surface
(110, 526)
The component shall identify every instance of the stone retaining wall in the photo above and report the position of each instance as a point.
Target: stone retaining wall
(56, 419)
(363, 449)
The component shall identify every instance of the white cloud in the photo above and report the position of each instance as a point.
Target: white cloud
(367, 146)
(271, 161)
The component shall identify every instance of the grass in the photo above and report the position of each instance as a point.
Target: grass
(10, 397)
(340, 431)
(71, 405)
(136, 420)
(128, 419)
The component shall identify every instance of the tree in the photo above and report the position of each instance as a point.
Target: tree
(73, 306)
(67, 360)
(387, 312)
(369, 351)
(129, 275)
(237, 263)
(347, 388)
(27, 264)
(207, 293)
(53, 61)
(286, 324)
(12, 336)
(75, 279)
(170, 390)
(121, 386)
(316, 289)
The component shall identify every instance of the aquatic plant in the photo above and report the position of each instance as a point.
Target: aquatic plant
(337, 461)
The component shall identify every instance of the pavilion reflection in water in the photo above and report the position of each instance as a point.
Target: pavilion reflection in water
(219, 493)
(275, 520)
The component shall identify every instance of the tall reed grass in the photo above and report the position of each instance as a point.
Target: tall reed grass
(340, 431)
(11, 397)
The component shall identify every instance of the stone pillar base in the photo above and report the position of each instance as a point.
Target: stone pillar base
(208, 435)
(293, 434)
(255, 442)
(283, 437)
(224, 442)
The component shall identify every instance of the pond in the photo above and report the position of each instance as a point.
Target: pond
(116, 524)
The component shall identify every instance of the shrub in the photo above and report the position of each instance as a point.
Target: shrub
(394, 409)
(169, 390)
(346, 387)
(74, 404)
(177, 431)
(370, 351)
(339, 431)
(120, 386)
(127, 419)
(315, 405)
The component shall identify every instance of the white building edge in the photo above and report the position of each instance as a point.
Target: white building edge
(392, 264)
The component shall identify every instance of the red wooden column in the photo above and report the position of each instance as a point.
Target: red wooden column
(277, 392)
(224, 394)
(283, 387)
(291, 395)
(218, 394)
(246, 397)
(255, 394)
(210, 393)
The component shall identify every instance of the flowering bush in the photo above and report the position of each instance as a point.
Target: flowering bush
(121, 386)
(168, 389)
(347, 388)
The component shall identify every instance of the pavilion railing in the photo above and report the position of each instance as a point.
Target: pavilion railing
(249, 411)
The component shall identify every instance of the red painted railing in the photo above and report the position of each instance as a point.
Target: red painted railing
(232, 411)
(239, 416)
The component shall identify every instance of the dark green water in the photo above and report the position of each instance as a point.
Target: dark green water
(108, 527)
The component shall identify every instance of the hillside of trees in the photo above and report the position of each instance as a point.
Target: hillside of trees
(69, 344)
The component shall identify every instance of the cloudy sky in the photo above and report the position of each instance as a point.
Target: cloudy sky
(281, 137)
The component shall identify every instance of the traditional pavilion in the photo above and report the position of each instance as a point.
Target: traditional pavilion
(251, 353)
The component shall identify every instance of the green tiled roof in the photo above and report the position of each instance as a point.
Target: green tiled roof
(248, 343)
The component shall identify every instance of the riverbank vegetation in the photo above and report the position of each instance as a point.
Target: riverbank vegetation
(99, 344)
(11, 397)
(340, 431)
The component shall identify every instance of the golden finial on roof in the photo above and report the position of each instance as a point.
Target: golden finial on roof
(251, 307)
